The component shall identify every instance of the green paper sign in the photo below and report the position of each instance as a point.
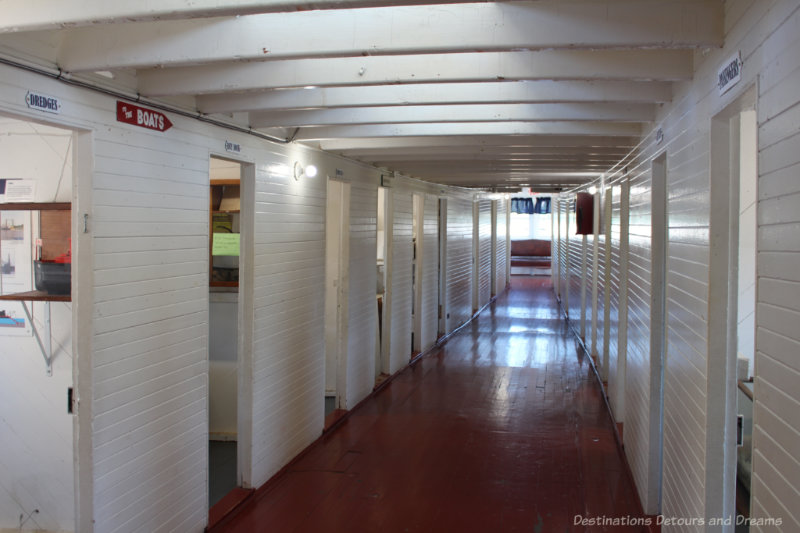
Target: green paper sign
(225, 244)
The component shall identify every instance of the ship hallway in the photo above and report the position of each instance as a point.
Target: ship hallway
(503, 428)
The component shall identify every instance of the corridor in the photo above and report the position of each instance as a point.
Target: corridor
(502, 429)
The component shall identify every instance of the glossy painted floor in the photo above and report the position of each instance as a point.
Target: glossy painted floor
(503, 429)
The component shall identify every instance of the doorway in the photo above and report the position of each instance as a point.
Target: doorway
(228, 349)
(383, 289)
(46, 326)
(731, 307)
(442, 307)
(417, 224)
(337, 253)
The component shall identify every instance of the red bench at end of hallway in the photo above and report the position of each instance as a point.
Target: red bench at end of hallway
(530, 253)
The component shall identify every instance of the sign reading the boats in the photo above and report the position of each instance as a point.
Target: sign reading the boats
(730, 73)
(42, 102)
(142, 117)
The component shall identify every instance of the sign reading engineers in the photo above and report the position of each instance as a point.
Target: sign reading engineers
(142, 117)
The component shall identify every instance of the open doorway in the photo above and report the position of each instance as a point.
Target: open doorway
(383, 288)
(42, 330)
(337, 253)
(417, 240)
(442, 307)
(731, 308)
(227, 354)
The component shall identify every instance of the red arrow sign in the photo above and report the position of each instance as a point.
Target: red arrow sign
(144, 118)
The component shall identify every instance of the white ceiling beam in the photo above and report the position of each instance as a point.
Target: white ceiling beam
(512, 92)
(477, 167)
(470, 128)
(630, 65)
(18, 15)
(456, 160)
(549, 178)
(477, 142)
(469, 154)
(590, 24)
(457, 113)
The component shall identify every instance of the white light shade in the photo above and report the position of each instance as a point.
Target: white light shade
(311, 171)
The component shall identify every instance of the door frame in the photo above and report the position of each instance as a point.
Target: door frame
(721, 384)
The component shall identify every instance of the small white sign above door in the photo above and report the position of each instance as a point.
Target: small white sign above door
(730, 73)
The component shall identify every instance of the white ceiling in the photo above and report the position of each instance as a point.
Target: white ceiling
(545, 93)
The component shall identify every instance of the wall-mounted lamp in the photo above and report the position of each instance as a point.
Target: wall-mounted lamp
(592, 190)
(308, 171)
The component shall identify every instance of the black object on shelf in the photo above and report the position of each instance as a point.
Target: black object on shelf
(53, 278)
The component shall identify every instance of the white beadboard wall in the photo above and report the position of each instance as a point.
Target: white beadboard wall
(459, 261)
(562, 218)
(150, 359)
(574, 247)
(766, 33)
(363, 305)
(500, 250)
(601, 288)
(288, 340)
(614, 388)
(150, 308)
(776, 436)
(430, 272)
(484, 278)
(402, 260)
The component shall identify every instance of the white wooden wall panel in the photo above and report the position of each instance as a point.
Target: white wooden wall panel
(574, 247)
(638, 375)
(363, 306)
(601, 273)
(776, 468)
(288, 340)
(563, 260)
(459, 262)
(501, 256)
(614, 387)
(430, 272)
(150, 397)
(484, 277)
(402, 257)
(588, 310)
(763, 32)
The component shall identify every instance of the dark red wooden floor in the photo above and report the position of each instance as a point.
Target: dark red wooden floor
(503, 429)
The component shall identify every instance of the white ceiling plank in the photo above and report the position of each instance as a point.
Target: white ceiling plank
(477, 142)
(511, 92)
(398, 30)
(470, 128)
(19, 16)
(635, 65)
(455, 113)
